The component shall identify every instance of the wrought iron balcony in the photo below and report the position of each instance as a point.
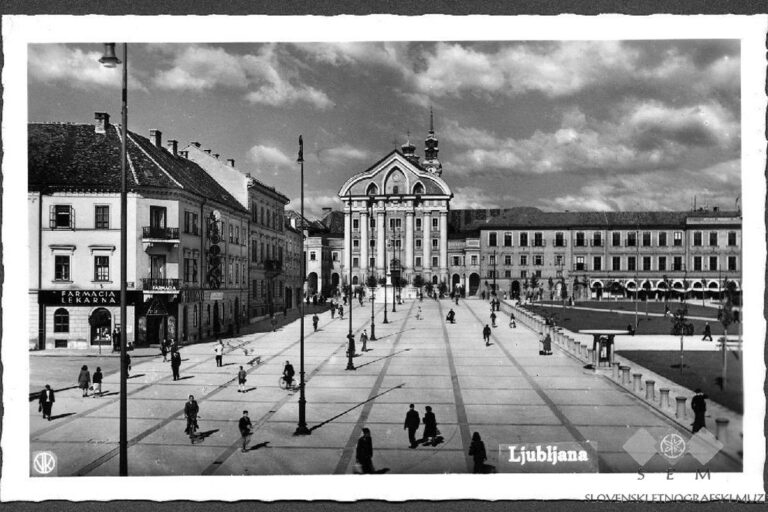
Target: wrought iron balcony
(160, 233)
(160, 284)
(275, 266)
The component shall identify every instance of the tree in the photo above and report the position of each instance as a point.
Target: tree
(681, 327)
(371, 281)
(563, 289)
(442, 288)
(725, 315)
(428, 288)
(418, 281)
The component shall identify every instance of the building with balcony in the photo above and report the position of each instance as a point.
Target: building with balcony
(186, 279)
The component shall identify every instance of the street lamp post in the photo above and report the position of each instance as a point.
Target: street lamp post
(384, 241)
(301, 428)
(350, 336)
(494, 272)
(391, 272)
(110, 60)
(373, 274)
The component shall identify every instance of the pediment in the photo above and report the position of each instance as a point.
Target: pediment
(395, 175)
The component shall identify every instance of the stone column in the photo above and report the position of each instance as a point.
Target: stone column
(408, 264)
(380, 243)
(426, 225)
(347, 242)
(364, 244)
(444, 247)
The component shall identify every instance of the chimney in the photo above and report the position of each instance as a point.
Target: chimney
(216, 156)
(156, 137)
(102, 122)
(231, 162)
(173, 147)
(196, 144)
(207, 151)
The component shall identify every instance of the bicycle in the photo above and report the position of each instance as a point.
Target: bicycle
(286, 384)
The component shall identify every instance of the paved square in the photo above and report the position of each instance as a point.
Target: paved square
(506, 392)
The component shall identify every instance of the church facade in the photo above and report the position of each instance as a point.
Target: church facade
(396, 218)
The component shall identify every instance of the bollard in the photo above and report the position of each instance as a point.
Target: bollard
(616, 370)
(721, 430)
(650, 390)
(664, 401)
(680, 410)
(624, 374)
(636, 382)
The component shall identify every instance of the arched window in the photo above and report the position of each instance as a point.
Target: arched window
(61, 320)
(395, 189)
(418, 188)
(354, 280)
(372, 190)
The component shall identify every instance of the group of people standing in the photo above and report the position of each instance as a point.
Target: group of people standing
(412, 422)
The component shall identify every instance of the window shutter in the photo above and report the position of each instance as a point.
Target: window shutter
(51, 217)
(71, 218)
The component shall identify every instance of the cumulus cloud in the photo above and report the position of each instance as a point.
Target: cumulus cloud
(718, 185)
(472, 197)
(263, 75)
(339, 154)
(641, 136)
(270, 157)
(314, 204)
(58, 63)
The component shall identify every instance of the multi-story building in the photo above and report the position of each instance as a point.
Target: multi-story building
(396, 217)
(271, 290)
(186, 278)
(397, 221)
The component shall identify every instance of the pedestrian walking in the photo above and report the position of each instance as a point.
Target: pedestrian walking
(241, 380)
(412, 425)
(493, 319)
(546, 344)
(164, 350)
(707, 332)
(364, 340)
(97, 378)
(418, 314)
(364, 452)
(47, 398)
(175, 364)
(477, 452)
(84, 380)
(245, 430)
(219, 350)
(315, 320)
(487, 335)
(273, 322)
(430, 426)
(127, 364)
(333, 310)
(341, 312)
(451, 317)
(699, 406)
(512, 322)
(666, 310)
(191, 410)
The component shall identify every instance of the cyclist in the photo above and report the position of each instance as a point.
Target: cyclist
(288, 373)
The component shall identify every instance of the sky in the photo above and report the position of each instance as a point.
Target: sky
(560, 125)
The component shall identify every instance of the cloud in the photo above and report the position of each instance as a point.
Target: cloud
(472, 197)
(339, 154)
(58, 63)
(641, 136)
(265, 77)
(718, 185)
(270, 157)
(314, 204)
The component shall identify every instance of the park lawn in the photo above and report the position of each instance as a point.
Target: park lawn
(578, 319)
(702, 370)
(653, 307)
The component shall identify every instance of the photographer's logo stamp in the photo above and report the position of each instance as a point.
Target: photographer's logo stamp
(44, 463)
(672, 446)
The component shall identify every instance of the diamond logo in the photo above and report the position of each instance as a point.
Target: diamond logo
(703, 446)
(641, 446)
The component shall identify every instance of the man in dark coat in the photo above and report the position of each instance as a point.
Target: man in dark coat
(245, 430)
(412, 425)
(175, 364)
(288, 373)
(364, 452)
(46, 401)
(699, 406)
(191, 409)
(315, 320)
(707, 332)
(487, 335)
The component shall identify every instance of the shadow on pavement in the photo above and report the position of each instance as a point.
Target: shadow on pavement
(383, 357)
(186, 377)
(59, 416)
(137, 376)
(312, 429)
(257, 446)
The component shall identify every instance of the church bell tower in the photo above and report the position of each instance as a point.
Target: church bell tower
(431, 163)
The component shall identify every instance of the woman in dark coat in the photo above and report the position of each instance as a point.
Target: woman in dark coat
(430, 426)
(84, 380)
(477, 451)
